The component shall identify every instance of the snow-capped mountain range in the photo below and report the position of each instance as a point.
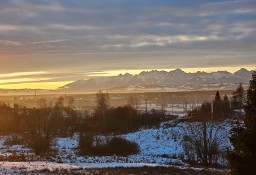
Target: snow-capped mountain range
(162, 81)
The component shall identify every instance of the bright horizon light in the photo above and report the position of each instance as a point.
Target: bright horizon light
(36, 85)
(14, 80)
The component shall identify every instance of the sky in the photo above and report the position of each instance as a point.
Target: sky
(49, 43)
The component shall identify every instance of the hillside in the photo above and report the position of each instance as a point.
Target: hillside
(160, 147)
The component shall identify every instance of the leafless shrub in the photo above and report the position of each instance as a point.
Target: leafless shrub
(202, 142)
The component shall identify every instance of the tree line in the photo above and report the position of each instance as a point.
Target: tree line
(221, 108)
(37, 127)
(201, 142)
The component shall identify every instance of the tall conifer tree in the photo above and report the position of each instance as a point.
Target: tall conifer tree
(242, 158)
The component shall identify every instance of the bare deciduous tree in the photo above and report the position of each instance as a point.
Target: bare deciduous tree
(102, 105)
(133, 103)
(59, 102)
(202, 142)
(42, 103)
(70, 101)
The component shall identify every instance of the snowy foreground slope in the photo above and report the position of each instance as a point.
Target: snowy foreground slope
(163, 146)
(159, 147)
(42, 168)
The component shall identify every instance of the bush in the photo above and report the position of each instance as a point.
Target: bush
(38, 142)
(14, 140)
(201, 143)
(86, 143)
(115, 146)
(121, 146)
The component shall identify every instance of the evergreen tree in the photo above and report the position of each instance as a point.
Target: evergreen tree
(217, 97)
(226, 107)
(217, 106)
(242, 158)
(226, 98)
(238, 97)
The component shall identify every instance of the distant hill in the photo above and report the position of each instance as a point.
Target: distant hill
(176, 80)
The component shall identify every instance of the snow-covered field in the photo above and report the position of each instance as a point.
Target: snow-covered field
(158, 147)
(162, 146)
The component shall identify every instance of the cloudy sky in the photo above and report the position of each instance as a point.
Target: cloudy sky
(48, 43)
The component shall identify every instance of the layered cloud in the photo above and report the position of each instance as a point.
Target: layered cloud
(67, 36)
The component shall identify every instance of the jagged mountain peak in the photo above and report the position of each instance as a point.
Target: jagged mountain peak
(162, 80)
(242, 70)
(243, 73)
(125, 75)
(224, 72)
(200, 72)
(178, 70)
